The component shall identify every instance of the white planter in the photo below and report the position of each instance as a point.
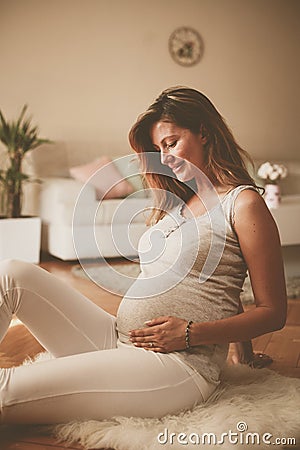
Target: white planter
(272, 196)
(20, 239)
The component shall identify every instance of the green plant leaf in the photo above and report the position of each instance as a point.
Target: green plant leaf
(4, 130)
(21, 116)
(19, 136)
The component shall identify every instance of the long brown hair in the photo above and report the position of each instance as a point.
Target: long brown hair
(192, 110)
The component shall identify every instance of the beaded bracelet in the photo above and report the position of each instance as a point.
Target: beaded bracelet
(187, 334)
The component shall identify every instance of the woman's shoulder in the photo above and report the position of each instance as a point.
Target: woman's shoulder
(247, 195)
(245, 201)
(250, 207)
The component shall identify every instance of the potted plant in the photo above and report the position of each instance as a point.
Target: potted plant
(272, 173)
(19, 235)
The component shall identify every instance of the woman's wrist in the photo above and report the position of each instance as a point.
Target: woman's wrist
(195, 334)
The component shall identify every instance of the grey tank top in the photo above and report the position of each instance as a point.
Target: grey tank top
(190, 268)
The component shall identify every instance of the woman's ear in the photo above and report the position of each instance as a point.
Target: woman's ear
(204, 134)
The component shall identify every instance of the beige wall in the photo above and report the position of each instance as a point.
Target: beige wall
(87, 68)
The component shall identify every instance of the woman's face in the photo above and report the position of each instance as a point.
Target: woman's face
(180, 149)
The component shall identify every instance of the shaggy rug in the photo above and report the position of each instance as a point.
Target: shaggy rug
(251, 409)
(104, 276)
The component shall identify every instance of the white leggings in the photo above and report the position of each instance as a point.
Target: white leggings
(92, 375)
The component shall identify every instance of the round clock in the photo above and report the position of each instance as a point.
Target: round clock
(186, 46)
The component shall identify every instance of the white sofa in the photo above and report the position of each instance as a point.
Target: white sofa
(93, 234)
(75, 225)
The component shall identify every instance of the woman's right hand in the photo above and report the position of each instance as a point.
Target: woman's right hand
(166, 333)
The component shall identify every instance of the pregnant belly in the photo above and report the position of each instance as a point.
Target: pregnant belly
(133, 313)
(203, 307)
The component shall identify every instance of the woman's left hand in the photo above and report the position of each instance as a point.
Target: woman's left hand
(164, 334)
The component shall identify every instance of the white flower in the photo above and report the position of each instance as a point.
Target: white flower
(278, 168)
(284, 172)
(274, 175)
(272, 172)
(264, 170)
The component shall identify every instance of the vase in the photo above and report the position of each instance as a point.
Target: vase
(272, 195)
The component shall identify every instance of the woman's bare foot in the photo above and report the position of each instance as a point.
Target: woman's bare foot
(242, 352)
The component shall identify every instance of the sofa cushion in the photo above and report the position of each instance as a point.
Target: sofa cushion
(128, 166)
(104, 176)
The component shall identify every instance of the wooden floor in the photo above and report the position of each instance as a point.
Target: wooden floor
(283, 346)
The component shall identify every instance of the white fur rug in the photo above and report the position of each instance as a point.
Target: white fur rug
(248, 401)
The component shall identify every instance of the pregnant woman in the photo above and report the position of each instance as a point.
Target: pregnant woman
(164, 351)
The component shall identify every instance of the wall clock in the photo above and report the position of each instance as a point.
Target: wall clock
(186, 46)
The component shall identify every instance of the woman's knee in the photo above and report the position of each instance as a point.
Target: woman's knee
(15, 267)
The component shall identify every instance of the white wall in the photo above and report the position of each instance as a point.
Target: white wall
(87, 68)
